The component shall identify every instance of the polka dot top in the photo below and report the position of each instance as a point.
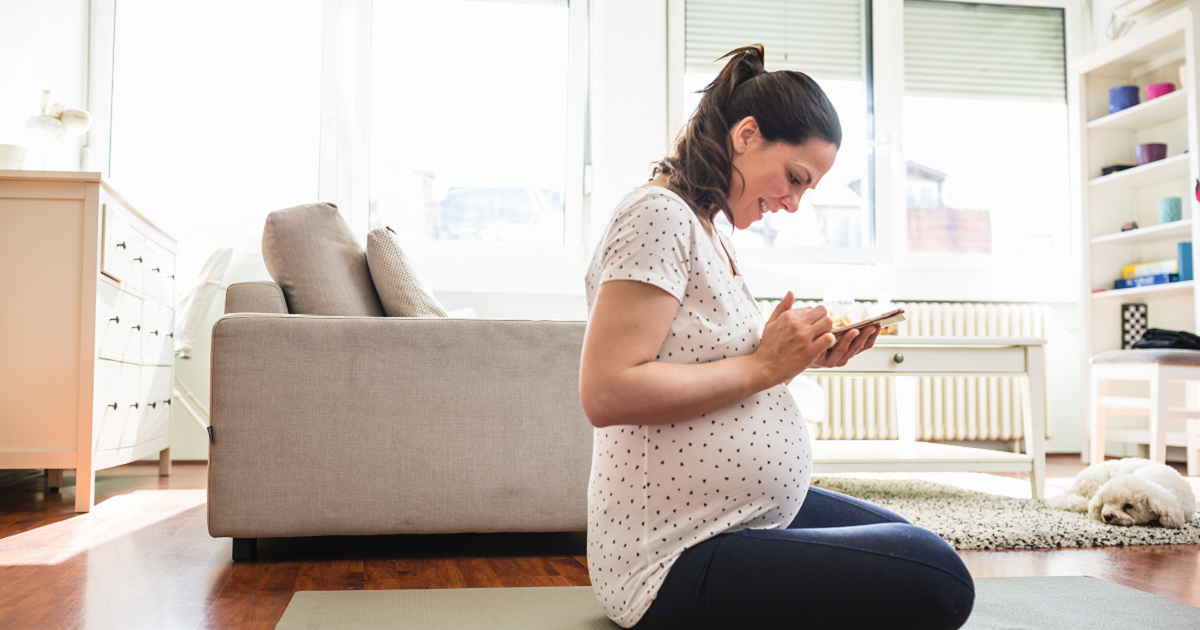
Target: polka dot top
(656, 490)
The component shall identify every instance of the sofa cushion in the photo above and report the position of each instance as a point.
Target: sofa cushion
(398, 279)
(312, 254)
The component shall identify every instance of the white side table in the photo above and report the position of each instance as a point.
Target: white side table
(911, 357)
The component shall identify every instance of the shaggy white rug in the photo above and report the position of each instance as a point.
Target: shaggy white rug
(978, 511)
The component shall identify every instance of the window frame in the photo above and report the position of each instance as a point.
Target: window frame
(885, 45)
(992, 261)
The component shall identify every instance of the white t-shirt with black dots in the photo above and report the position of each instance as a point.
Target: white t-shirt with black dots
(656, 490)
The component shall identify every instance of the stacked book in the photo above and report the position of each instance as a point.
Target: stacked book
(1146, 274)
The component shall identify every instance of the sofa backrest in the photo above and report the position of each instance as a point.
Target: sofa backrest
(313, 255)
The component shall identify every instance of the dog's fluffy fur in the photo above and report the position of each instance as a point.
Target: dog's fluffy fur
(1131, 491)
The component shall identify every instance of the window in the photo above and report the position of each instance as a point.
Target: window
(932, 96)
(469, 127)
(985, 128)
(828, 40)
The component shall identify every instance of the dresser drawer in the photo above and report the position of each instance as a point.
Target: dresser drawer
(160, 274)
(156, 403)
(118, 323)
(124, 249)
(158, 340)
(117, 406)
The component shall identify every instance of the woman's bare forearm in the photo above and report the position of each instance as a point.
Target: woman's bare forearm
(663, 393)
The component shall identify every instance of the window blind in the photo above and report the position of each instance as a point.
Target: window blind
(823, 39)
(994, 52)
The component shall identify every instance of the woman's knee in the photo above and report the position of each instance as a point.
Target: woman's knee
(947, 592)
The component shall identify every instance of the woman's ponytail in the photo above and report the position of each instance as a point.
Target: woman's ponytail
(788, 106)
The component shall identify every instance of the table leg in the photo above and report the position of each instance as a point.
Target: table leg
(54, 477)
(164, 462)
(1159, 388)
(1033, 404)
(906, 408)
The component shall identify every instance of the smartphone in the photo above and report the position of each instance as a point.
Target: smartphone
(883, 321)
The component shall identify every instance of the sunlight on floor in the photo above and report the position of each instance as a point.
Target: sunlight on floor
(108, 521)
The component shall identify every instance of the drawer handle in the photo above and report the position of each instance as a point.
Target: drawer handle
(154, 332)
(172, 276)
(899, 358)
(136, 326)
(134, 405)
(116, 319)
(167, 402)
(121, 245)
(138, 259)
(170, 334)
(156, 270)
(152, 404)
(113, 405)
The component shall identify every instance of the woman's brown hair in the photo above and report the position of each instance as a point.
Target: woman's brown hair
(788, 107)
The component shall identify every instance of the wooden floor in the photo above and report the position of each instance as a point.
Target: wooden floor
(143, 559)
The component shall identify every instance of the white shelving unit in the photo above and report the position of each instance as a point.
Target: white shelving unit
(1153, 54)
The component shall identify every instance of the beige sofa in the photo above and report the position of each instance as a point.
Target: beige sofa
(358, 425)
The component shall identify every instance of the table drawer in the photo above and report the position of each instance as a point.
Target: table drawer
(918, 360)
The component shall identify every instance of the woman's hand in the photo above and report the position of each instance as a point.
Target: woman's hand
(850, 344)
(793, 340)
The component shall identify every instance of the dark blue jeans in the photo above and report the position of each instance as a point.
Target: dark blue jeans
(842, 564)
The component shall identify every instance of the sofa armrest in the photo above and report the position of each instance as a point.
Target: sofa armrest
(255, 297)
(370, 425)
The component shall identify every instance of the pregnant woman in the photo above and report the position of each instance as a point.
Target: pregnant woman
(700, 513)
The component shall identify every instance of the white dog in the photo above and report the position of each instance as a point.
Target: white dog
(1131, 491)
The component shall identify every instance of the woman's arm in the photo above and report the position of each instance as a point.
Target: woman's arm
(621, 382)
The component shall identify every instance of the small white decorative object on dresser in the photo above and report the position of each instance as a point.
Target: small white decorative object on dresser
(86, 353)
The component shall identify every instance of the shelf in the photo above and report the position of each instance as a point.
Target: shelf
(1160, 232)
(1146, 174)
(1144, 115)
(1158, 290)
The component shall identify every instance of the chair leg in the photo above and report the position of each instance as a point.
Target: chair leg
(1193, 447)
(244, 549)
(1098, 420)
(1159, 391)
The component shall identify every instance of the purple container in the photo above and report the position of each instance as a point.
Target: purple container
(1122, 97)
(1152, 152)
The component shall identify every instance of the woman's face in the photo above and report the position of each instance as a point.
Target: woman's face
(769, 177)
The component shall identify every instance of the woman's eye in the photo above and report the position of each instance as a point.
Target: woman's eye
(1128, 506)
(793, 179)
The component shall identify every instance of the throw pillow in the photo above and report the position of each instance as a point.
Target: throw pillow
(398, 279)
(313, 255)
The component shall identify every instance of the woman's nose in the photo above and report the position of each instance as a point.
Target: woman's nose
(791, 203)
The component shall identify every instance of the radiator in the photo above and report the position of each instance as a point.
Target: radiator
(947, 409)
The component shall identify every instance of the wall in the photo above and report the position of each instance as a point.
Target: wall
(44, 47)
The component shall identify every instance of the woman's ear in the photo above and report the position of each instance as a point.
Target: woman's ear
(743, 134)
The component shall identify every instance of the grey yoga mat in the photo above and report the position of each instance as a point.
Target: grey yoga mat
(1041, 603)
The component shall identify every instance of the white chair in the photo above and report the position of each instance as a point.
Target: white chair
(1160, 368)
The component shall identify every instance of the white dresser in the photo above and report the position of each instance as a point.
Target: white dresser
(86, 320)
